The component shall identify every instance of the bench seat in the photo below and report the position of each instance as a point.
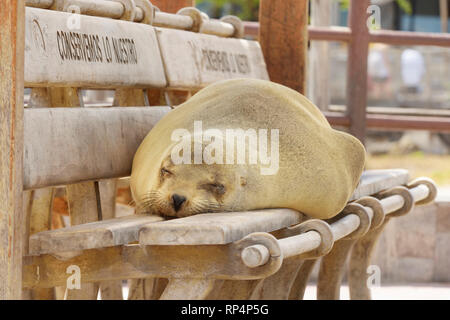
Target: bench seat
(217, 228)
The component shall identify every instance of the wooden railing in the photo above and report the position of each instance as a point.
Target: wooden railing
(358, 38)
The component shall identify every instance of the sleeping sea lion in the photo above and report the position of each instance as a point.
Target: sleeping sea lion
(244, 144)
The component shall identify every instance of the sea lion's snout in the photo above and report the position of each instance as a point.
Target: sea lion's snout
(177, 201)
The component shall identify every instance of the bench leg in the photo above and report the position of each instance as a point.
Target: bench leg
(83, 208)
(107, 189)
(39, 208)
(301, 280)
(187, 289)
(111, 290)
(146, 289)
(278, 285)
(332, 268)
(235, 289)
(360, 261)
(288, 283)
(136, 289)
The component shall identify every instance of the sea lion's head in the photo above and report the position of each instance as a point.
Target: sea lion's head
(180, 190)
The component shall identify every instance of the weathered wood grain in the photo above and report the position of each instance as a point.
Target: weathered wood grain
(195, 60)
(107, 189)
(12, 226)
(187, 289)
(134, 261)
(83, 144)
(39, 209)
(143, 289)
(216, 228)
(101, 234)
(97, 52)
(374, 181)
(83, 208)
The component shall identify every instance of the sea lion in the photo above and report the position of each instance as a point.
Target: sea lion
(179, 170)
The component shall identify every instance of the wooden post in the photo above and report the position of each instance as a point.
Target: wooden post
(443, 10)
(283, 35)
(172, 6)
(83, 208)
(358, 50)
(12, 226)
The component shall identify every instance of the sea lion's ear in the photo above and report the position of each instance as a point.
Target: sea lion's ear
(242, 181)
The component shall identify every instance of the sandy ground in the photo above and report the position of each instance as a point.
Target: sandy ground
(431, 291)
(443, 193)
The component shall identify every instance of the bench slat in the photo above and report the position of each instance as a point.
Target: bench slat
(92, 52)
(194, 60)
(101, 234)
(374, 181)
(69, 145)
(217, 228)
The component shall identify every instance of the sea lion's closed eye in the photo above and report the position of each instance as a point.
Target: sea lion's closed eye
(165, 172)
(215, 187)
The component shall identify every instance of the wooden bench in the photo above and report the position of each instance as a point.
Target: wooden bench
(264, 254)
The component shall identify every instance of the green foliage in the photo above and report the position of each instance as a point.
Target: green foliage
(244, 9)
(248, 9)
(345, 4)
(405, 5)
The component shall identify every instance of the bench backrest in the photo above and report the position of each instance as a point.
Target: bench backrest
(64, 145)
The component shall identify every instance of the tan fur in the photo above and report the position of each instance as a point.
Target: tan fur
(319, 167)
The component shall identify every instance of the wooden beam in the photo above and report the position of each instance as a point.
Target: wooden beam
(407, 38)
(358, 50)
(51, 62)
(83, 143)
(172, 6)
(135, 261)
(443, 9)
(12, 227)
(394, 122)
(211, 59)
(343, 34)
(101, 234)
(284, 40)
